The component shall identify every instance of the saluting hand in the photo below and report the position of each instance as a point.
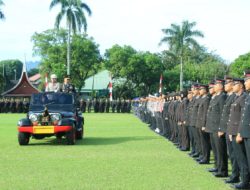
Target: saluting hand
(220, 134)
(231, 138)
(239, 139)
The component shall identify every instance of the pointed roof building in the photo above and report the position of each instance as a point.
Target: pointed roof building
(23, 88)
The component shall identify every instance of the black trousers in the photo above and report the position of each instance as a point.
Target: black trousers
(166, 127)
(171, 128)
(191, 137)
(221, 154)
(153, 123)
(197, 140)
(185, 142)
(205, 145)
(214, 149)
(241, 158)
(180, 134)
(158, 121)
(247, 147)
(175, 133)
(232, 156)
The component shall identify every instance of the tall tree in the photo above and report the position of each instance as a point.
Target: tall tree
(239, 65)
(73, 10)
(2, 17)
(140, 70)
(51, 45)
(180, 38)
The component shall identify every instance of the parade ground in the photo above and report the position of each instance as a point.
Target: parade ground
(118, 152)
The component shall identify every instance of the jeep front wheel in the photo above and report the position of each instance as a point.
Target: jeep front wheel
(23, 138)
(70, 136)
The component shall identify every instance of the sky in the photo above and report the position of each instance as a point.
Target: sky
(225, 24)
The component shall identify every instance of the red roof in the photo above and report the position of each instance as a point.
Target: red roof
(35, 77)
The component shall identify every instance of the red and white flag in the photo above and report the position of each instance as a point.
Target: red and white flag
(110, 88)
(160, 88)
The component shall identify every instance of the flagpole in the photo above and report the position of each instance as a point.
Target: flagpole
(160, 87)
(46, 80)
(110, 87)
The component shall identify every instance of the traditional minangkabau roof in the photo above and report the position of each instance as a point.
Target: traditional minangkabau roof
(23, 88)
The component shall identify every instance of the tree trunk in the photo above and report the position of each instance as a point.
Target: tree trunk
(68, 51)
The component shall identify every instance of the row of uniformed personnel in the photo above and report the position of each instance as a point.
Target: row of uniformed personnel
(208, 117)
(105, 105)
(14, 105)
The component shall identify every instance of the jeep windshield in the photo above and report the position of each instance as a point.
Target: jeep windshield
(53, 101)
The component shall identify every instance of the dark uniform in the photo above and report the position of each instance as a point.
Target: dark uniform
(233, 129)
(118, 107)
(204, 136)
(68, 88)
(184, 137)
(6, 106)
(174, 136)
(19, 106)
(223, 128)
(194, 129)
(1, 106)
(166, 129)
(113, 105)
(245, 127)
(89, 105)
(188, 124)
(96, 105)
(107, 106)
(26, 106)
(213, 121)
(128, 106)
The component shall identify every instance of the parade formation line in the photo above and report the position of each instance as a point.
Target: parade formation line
(118, 152)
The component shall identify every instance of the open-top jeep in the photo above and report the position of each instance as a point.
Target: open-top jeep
(52, 114)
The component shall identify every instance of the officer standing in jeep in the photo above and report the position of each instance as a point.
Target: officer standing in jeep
(67, 86)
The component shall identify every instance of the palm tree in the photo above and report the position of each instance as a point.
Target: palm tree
(2, 17)
(73, 10)
(180, 38)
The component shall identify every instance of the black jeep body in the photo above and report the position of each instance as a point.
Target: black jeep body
(52, 114)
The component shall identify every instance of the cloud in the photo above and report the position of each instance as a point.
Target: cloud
(134, 22)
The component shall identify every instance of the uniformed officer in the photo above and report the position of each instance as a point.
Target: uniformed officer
(100, 105)
(7, 105)
(53, 86)
(128, 106)
(220, 142)
(1, 105)
(107, 105)
(165, 117)
(194, 130)
(184, 138)
(233, 129)
(25, 105)
(243, 135)
(229, 84)
(113, 105)
(118, 107)
(209, 125)
(67, 86)
(89, 105)
(201, 123)
(188, 121)
(96, 105)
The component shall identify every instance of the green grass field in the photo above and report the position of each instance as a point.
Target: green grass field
(118, 152)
